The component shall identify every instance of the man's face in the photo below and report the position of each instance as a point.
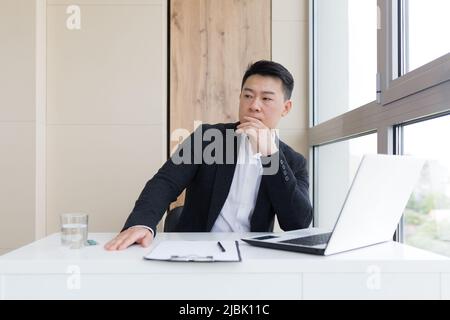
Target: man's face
(262, 97)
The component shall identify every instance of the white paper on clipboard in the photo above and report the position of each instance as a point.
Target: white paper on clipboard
(197, 251)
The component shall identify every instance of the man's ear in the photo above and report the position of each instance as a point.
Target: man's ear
(287, 108)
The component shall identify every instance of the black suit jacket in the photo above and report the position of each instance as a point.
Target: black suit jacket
(284, 193)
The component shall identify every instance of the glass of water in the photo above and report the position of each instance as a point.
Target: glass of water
(74, 229)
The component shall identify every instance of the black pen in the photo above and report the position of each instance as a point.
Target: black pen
(221, 246)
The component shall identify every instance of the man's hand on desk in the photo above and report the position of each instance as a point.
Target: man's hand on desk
(130, 236)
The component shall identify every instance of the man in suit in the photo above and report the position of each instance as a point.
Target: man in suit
(237, 176)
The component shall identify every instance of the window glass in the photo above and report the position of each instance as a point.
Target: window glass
(346, 56)
(427, 31)
(427, 215)
(336, 165)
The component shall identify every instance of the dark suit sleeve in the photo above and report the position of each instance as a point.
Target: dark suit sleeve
(165, 186)
(288, 190)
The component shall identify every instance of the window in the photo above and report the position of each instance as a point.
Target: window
(352, 41)
(427, 31)
(427, 215)
(336, 166)
(346, 56)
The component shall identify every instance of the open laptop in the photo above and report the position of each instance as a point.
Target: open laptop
(370, 214)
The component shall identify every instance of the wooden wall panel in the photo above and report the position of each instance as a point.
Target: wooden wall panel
(212, 42)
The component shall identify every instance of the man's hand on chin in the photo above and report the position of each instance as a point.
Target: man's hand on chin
(262, 138)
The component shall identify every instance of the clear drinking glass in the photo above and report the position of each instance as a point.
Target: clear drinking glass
(74, 229)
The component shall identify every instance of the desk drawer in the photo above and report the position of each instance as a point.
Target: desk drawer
(371, 286)
(155, 286)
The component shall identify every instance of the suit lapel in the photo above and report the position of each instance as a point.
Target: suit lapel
(222, 184)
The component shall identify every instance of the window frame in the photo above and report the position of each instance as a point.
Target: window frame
(415, 96)
(396, 83)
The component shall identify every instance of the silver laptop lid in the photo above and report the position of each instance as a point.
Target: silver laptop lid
(375, 202)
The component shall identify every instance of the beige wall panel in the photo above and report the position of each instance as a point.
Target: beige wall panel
(17, 62)
(290, 48)
(296, 139)
(99, 170)
(290, 10)
(17, 184)
(108, 72)
(212, 42)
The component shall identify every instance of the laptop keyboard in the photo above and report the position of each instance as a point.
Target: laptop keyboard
(310, 240)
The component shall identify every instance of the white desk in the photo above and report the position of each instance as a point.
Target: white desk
(45, 270)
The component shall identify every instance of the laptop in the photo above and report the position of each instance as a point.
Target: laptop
(370, 214)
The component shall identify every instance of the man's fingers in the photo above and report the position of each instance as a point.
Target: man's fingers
(108, 245)
(258, 122)
(128, 241)
(250, 131)
(111, 245)
(243, 127)
(126, 238)
(114, 243)
(261, 137)
(248, 123)
(147, 240)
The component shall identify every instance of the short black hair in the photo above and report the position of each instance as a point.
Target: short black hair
(272, 69)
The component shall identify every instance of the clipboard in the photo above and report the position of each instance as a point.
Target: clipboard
(196, 251)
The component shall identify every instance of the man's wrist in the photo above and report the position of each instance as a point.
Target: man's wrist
(145, 227)
(273, 149)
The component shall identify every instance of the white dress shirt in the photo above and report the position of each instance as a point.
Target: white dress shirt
(237, 211)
